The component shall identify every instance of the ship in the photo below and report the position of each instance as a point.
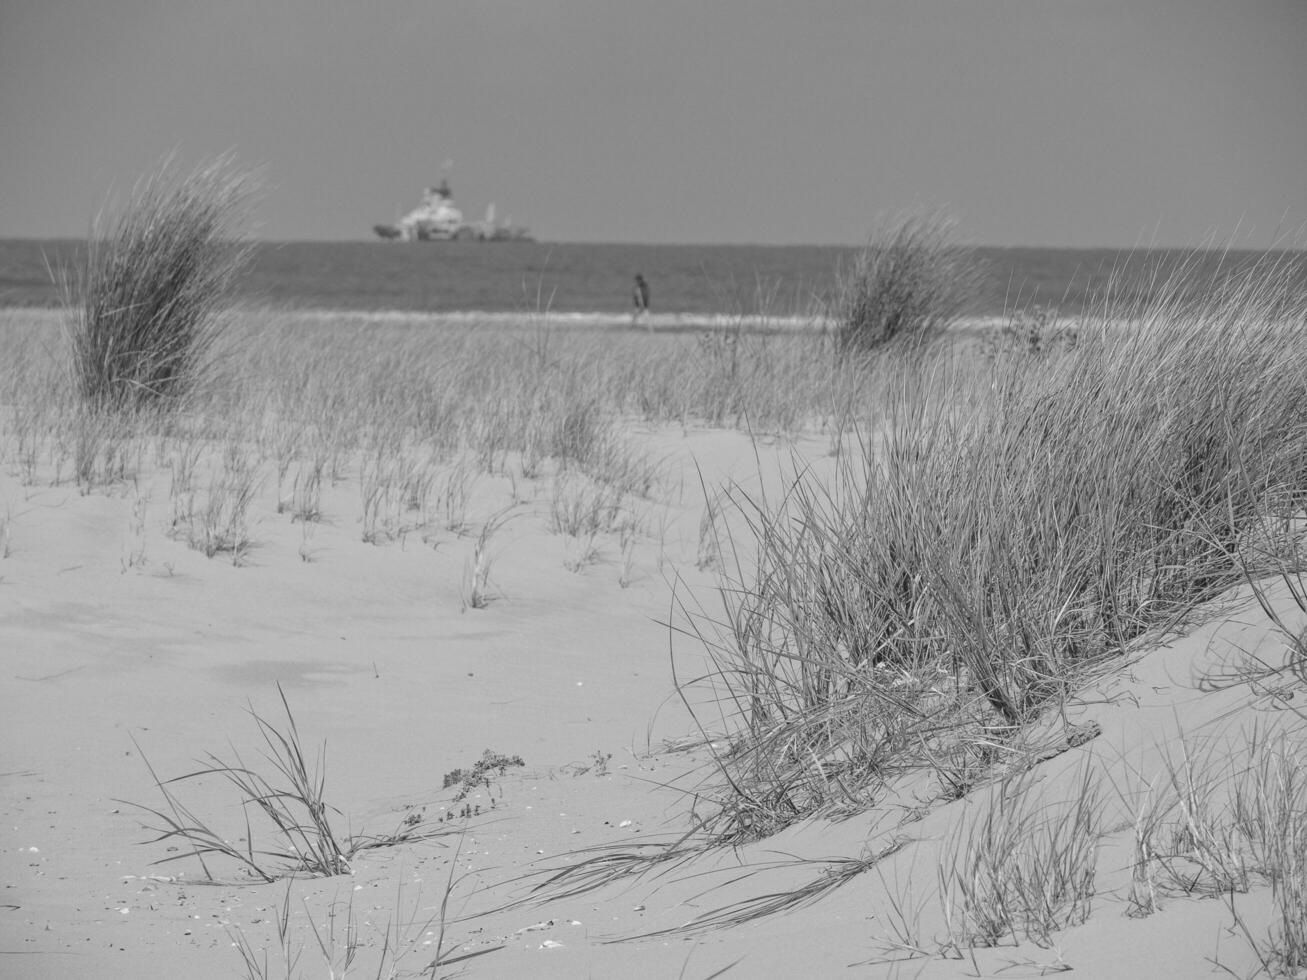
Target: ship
(438, 219)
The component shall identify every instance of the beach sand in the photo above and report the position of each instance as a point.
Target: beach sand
(122, 644)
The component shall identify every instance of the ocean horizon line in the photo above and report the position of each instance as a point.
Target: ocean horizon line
(1204, 249)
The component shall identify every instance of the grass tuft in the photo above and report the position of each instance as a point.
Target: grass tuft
(289, 793)
(908, 284)
(146, 299)
(1023, 869)
(1009, 533)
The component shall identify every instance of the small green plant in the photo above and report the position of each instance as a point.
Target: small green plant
(479, 778)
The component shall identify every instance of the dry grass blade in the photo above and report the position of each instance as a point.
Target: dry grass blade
(835, 873)
(181, 824)
(1228, 815)
(259, 967)
(443, 956)
(291, 802)
(614, 863)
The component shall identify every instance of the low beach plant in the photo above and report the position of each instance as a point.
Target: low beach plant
(344, 946)
(479, 774)
(221, 526)
(581, 508)
(106, 448)
(306, 491)
(1225, 816)
(288, 792)
(183, 461)
(455, 494)
(1270, 811)
(1022, 868)
(477, 591)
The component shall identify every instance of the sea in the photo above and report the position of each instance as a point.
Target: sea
(788, 281)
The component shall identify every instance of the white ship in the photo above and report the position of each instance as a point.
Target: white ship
(438, 219)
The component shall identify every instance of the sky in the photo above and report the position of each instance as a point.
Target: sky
(1115, 123)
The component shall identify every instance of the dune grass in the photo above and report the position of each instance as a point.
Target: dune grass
(1022, 869)
(343, 946)
(909, 283)
(1225, 815)
(288, 792)
(153, 284)
(1006, 534)
(416, 417)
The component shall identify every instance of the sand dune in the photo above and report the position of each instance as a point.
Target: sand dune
(123, 642)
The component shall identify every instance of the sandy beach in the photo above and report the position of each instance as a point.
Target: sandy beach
(486, 605)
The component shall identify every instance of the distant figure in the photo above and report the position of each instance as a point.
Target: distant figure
(640, 295)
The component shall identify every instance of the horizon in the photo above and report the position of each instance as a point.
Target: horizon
(1166, 124)
(546, 243)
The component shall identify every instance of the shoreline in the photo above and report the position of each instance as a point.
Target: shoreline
(576, 320)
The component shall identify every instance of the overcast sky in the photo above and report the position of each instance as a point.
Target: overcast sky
(1048, 122)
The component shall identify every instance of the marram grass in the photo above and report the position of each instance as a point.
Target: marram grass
(146, 301)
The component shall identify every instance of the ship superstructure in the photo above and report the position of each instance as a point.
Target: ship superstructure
(438, 219)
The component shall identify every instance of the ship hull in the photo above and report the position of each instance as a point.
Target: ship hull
(391, 233)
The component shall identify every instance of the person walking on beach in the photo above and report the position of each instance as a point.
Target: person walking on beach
(640, 295)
